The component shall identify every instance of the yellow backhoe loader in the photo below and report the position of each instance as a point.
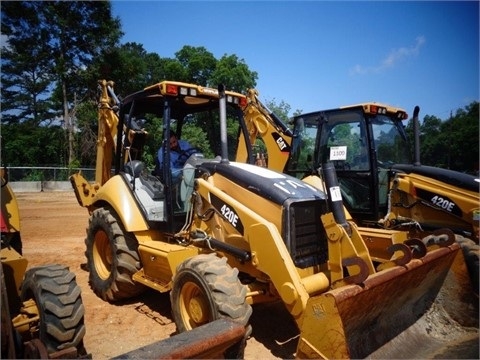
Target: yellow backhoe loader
(42, 309)
(232, 234)
(368, 145)
(381, 187)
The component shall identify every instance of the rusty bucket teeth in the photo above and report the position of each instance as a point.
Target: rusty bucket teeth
(417, 246)
(440, 237)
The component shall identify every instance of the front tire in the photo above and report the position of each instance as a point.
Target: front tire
(58, 300)
(112, 257)
(205, 288)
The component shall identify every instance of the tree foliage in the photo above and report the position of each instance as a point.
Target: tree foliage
(27, 145)
(62, 37)
(198, 64)
(452, 143)
(234, 74)
(25, 83)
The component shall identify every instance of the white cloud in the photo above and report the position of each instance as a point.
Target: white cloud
(391, 59)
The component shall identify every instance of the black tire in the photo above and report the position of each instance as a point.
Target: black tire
(471, 253)
(205, 288)
(472, 259)
(112, 257)
(58, 299)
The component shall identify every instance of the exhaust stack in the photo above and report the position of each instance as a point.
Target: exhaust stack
(223, 123)
(334, 198)
(416, 134)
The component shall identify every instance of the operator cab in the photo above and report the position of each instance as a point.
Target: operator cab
(148, 117)
(363, 142)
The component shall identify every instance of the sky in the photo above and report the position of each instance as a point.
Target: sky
(316, 55)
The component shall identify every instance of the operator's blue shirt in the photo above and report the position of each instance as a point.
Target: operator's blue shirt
(176, 164)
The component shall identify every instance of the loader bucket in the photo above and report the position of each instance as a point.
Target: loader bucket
(354, 321)
(209, 341)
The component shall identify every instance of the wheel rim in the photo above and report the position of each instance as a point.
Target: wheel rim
(194, 306)
(102, 255)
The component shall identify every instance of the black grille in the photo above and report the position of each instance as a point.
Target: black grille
(304, 233)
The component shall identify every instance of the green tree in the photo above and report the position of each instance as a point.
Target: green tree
(282, 110)
(25, 83)
(129, 65)
(430, 149)
(25, 144)
(459, 141)
(198, 64)
(451, 143)
(233, 73)
(86, 135)
(72, 33)
(125, 64)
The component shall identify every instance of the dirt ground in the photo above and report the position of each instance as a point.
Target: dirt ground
(53, 231)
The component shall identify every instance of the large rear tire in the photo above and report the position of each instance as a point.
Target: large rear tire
(205, 288)
(58, 299)
(112, 257)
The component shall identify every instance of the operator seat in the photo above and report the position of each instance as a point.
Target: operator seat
(149, 183)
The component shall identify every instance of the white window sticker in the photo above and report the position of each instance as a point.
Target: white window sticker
(338, 153)
(335, 193)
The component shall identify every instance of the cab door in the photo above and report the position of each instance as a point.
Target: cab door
(344, 141)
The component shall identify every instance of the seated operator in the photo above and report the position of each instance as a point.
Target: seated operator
(178, 150)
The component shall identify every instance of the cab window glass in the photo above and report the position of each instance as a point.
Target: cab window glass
(389, 141)
(344, 140)
(303, 146)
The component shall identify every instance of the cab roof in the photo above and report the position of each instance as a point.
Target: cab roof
(194, 97)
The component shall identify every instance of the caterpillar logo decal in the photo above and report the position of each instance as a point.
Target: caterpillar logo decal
(281, 143)
(228, 213)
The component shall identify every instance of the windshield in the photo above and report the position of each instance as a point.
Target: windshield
(346, 138)
(197, 125)
(342, 139)
(390, 141)
(303, 146)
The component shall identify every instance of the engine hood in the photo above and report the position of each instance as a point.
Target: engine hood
(272, 185)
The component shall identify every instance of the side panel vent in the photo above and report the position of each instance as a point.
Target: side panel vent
(304, 233)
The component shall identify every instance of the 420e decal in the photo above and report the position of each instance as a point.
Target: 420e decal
(228, 213)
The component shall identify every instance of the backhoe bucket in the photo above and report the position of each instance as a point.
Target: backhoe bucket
(353, 321)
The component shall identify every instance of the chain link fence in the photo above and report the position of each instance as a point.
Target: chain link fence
(46, 173)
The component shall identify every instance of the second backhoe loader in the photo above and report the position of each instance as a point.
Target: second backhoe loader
(383, 189)
(379, 180)
(232, 235)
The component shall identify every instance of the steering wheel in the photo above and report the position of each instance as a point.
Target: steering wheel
(183, 157)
